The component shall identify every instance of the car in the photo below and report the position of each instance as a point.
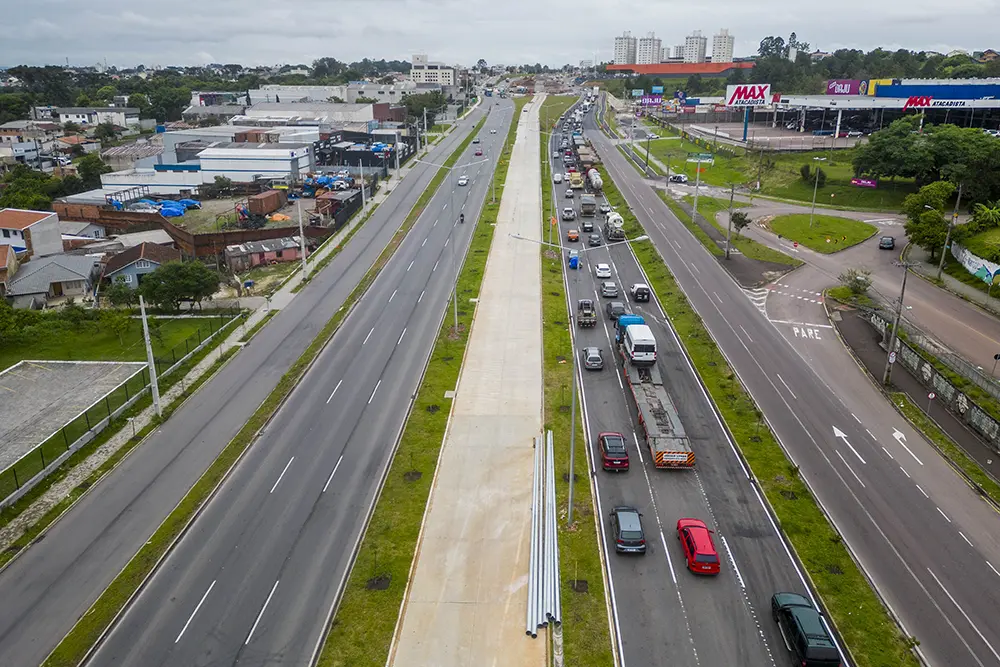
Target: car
(609, 289)
(568, 214)
(803, 631)
(626, 530)
(566, 176)
(555, 153)
(464, 180)
(855, 133)
(593, 358)
(602, 271)
(678, 178)
(594, 240)
(587, 225)
(479, 152)
(525, 110)
(653, 135)
(605, 209)
(887, 243)
(573, 259)
(569, 194)
(557, 178)
(640, 292)
(615, 309)
(614, 455)
(572, 235)
(699, 550)
(493, 131)
(476, 140)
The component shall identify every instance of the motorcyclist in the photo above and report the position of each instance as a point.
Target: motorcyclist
(461, 218)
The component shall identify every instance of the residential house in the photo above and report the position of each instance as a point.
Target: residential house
(46, 281)
(134, 263)
(39, 133)
(35, 233)
(66, 144)
(988, 56)
(8, 267)
(262, 253)
(88, 229)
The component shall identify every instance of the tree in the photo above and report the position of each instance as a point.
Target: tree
(118, 321)
(366, 100)
(481, 64)
(141, 102)
(106, 131)
(739, 220)
(174, 282)
(90, 168)
(82, 100)
(119, 294)
(926, 225)
(771, 46)
(70, 126)
(856, 280)
(106, 93)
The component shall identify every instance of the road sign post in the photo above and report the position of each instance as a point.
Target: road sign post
(892, 357)
(930, 397)
(996, 358)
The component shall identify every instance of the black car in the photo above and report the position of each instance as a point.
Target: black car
(587, 225)
(615, 309)
(803, 631)
(594, 240)
(887, 243)
(626, 529)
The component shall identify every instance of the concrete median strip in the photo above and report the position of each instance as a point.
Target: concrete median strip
(95, 623)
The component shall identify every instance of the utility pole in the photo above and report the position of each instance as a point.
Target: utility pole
(572, 449)
(895, 325)
(364, 200)
(812, 211)
(947, 237)
(647, 151)
(729, 227)
(155, 387)
(425, 120)
(697, 183)
(302, 244)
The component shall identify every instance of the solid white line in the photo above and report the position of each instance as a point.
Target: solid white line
(888, 454)
(373, 392)
(368, 336)
(334, 392)
(732, 559)
(945, 517)
(410, 266)
(278, 481)
(261, 614)
(803, 324)
(903, 445)
(393, 295)
(967, 619)
(435, 266)
(905, 473)
(851, 469)
(329, 479)
(401, 336)
(197, 607)
(637, 447)
(787, 387)
(968, 541)
(745, 333)
(666, 551)
(922, 491)
(421, 296)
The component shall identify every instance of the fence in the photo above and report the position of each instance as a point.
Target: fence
(31, 468)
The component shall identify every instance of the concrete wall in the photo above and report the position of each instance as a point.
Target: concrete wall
(45, 237)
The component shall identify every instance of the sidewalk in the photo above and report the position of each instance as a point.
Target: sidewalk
(928, 269)
(467, 596)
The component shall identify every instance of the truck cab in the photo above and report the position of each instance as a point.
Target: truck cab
(625, 320)
(586, 313)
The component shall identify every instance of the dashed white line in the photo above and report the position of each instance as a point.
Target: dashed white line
(330, 478)
(401, 337)
(368, 336)
(435, 266)
(923, 492)
(446, 241)
(889, 454)
(197, 607)
(732, 560)
(373, 392)
(945, 516)
(967, 540)
(905, 473)
(435, 224)
(261, 614)
(445, 206)
(410, 266)
(333, 392)
(637, 447)
(871, 434)
(718, 297)
(851, 469)
(855, 418)
(787, 387)
(423, 243)
(278, 481)
(967, 619)
(421, 296)
(745, 333)
(993, 568)
(393, 295)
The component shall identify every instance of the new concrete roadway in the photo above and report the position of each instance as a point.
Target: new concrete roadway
(930, 545)
(55, 581)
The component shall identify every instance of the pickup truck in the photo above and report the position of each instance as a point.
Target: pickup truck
(586, 313)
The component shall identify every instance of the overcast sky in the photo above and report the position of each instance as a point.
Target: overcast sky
(252, 32)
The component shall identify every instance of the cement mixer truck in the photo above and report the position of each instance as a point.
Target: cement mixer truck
(614, 227)
(594, 180)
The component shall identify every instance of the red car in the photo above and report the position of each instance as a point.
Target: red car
(614, 455)
(479, 152)
(699, 550)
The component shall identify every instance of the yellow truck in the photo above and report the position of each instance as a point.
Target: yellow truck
(576, 180)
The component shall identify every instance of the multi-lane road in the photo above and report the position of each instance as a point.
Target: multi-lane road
(928, 542)
(264, 561)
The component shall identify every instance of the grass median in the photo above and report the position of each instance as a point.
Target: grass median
(863, 622)
(826, 233)
(362, 629)
(92, 624)
(585, 629)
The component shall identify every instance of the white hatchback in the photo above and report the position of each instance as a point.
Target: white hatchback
(464, 180)
(602, 271)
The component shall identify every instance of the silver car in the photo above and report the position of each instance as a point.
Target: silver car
(593, 358)
(609, 290)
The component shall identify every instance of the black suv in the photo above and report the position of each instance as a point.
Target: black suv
(626, 529)
(803, 631)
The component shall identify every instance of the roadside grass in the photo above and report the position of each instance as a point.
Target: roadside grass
(553, 107)
(362, 628)
(710, 207)
(89, 627)
(870, 634)
(586, 633)
(257, 327)
(686, 220)
(62, 343)
(674, 153)
(640, 154)
(955, 454)
(844, 294)
(828, 233)
(8, 514)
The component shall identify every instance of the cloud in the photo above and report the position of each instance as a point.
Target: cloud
(251, 32)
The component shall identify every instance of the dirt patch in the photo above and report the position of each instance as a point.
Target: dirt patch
(379, 583)
(579, 585)
(412, 475)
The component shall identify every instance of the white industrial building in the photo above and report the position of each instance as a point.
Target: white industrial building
(649, 50)
(695, 47)
(330, 112)
(423, 70)
(722, 47)
(625, 49)
(120, 116)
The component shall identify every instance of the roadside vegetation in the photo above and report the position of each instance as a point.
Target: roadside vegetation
(827, 234)
(363, 626)
(553, 107)
(710, 207)
(585, 629)
(861, 619)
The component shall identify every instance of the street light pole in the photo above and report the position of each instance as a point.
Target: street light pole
(697, 184)
(947, 237)
(895, 325)
(812, 211)
(729, 227)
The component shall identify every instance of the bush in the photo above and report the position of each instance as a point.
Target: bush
(856, 280)
(804, 171)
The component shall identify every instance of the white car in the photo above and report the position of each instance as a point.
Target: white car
(602, 271)
(464, 180)
(557, 178)
(493, 131)
(653, 135)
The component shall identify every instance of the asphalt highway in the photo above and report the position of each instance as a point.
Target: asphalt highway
(253, 581)
(929, 544)
(54, 582)
(665, 615)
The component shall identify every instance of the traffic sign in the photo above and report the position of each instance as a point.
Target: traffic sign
(931, 396)
(892, 357)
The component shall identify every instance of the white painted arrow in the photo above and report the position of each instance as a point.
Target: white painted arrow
(901, 439)
(837, 433)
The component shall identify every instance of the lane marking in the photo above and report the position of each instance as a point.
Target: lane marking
(922, 491)
(746, 334)
(637, 447)
(401, 336)
(330, 478)
(888, 454)
(410, 266)
(855, 418)
(197, 607)
(789, 389)
(334, 391)
(905, 473)
(993, 568)
(419, 298)
(841, 456)
(967, 540)
(261, 614)
(435, 266)
(446, 241)
(393, 295)
(373, 392)
(368, 336)
(278, 481)
(423, 243)
(945, 517)
(666, 551)
(802, 324)
(732, 559)
(967, 619)
(871, 434)
(435, 224)
(718, 297)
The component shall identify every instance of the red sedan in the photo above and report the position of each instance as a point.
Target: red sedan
(479, 151)
(699, 550)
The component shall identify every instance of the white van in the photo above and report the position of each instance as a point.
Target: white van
(557, 178)
(639, 345)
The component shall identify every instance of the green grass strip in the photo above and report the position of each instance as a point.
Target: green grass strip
(257, 327)
(871, 635)
(92, 624)
(827, 234)
(362, 629)
(585, 629)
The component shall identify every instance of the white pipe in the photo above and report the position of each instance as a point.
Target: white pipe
(532, 563)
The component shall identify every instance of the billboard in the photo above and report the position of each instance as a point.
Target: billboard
(846, 87)
(637, 92)
(656, 90)
(873, 85)
(928, 102)
(864, 182)
(652, 100)
(748, 95)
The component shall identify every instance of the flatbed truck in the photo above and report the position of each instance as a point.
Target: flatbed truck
(668, 443)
